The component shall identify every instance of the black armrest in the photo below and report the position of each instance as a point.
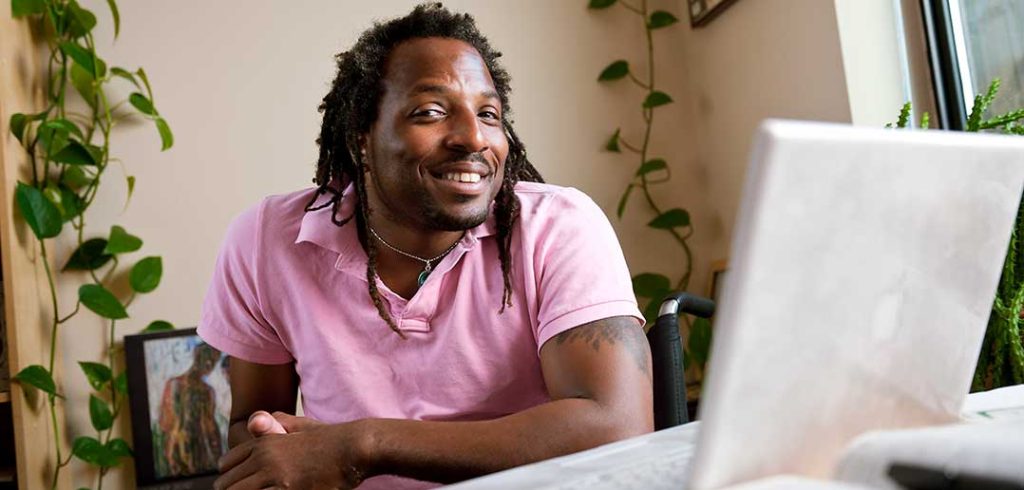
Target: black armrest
(667, 357)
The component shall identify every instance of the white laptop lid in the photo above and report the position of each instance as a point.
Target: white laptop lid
(862, 272)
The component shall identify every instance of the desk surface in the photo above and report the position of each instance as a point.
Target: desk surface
(664, 456)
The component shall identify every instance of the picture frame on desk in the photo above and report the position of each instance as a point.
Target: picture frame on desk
(180, 400)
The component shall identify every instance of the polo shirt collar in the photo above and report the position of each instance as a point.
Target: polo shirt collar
(317, 228)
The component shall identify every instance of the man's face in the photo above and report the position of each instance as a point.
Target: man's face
(436, 153)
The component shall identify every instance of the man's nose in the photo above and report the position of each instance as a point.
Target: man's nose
(466, 133)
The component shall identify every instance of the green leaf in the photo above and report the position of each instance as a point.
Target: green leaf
(125, 74)
(40, 214)
(618, 69)
(166, 137)
(158, 326)
(37, 376)
(101, 302)
(92, 65)
(83, 83)
(119, 448)
(145, 275)
(650, 285)
(600, 4)
(81, 20)
(54, 136)
(117, 17)
(699, 341)
(89, 449)
(17, 124)
(52, 194)
(673, 218)
(121, 383)
(623, 200)
(75, 177)
(89, 256)
(76, 153)
(652, 166)
(981, 105)
(131, 189)
(656, 98)
(71, 204)
(21, 8)
(97, 374)
(661, 18)
(925, 120)
(67, 127)
(904, 117)
(613, 142)
(142, 103)
(99, 413)
(121, 241)
(145, 81)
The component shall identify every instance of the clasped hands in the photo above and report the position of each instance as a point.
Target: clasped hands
(292, 452)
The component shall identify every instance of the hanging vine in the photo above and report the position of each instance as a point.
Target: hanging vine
(70, 154)
(673, 223)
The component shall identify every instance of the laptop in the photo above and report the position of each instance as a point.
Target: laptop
(862, 272)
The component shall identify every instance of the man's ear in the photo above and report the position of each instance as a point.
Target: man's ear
(363, 142)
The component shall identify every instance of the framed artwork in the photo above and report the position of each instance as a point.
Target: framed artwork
(180, 400)
(703, 11)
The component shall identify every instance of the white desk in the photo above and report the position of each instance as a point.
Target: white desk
(667, 454)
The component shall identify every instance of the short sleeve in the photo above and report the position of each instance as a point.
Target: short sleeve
(581, 272)
(233, 319)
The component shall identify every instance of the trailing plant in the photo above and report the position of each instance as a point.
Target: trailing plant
(1001, 360)
(673, 223)
(70, 154)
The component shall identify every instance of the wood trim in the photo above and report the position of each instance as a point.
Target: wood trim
(22, 86)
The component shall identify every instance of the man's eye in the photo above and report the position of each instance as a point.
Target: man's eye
(429, 113)
(490, 115)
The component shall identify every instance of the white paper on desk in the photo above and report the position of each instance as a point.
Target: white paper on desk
(863, 271)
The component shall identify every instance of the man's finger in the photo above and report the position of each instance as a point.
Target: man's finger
(242, 475)
(234, 457)
(291, 423)
(262, 423)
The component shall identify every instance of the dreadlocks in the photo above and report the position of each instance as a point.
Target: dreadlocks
(350, 108)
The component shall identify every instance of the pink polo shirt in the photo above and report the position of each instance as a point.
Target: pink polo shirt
(291, 286)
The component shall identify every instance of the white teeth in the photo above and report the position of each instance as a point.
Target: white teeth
(462, 177)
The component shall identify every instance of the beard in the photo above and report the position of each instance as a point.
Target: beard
(435, 216)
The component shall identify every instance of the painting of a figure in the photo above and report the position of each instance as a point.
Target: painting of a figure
(189, 405)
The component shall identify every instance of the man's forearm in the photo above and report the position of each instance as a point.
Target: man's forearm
(454, 451)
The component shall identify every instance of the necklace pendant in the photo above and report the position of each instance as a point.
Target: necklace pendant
(423, 276)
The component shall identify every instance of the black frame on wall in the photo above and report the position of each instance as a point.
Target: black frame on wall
(945, 66)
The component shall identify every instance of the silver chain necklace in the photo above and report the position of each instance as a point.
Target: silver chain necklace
(422, 278)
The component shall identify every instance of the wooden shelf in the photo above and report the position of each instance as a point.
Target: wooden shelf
(5, 396)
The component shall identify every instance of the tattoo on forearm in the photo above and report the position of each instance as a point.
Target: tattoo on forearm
(613, 331)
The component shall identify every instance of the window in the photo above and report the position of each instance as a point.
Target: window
(971, 43)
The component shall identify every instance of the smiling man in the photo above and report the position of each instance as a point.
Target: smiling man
(444, 312)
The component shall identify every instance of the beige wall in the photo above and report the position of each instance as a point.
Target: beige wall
(239, 83)
(759, 59)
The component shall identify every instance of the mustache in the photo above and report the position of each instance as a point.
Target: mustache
(477, 157)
